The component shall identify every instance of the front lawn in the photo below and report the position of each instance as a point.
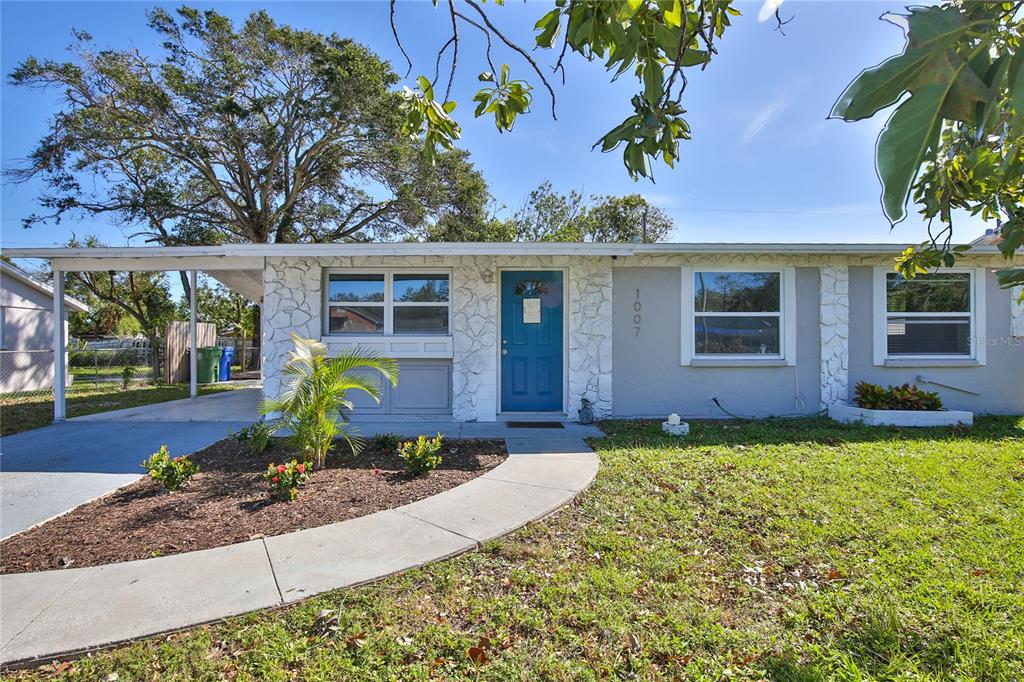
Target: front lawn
(21, 412)
(799, 550)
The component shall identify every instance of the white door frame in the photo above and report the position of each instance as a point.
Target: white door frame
(565, 336)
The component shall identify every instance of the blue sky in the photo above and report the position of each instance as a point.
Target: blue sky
(764, 164)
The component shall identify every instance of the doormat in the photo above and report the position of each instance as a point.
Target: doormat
(534, 425)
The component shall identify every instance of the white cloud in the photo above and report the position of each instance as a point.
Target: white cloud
(764, 116)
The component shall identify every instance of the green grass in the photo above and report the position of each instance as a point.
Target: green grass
(106, 371)
(799, 551)
(34, 410)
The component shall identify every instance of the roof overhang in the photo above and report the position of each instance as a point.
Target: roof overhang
(72, 303)
(249, 256)
(248, 283)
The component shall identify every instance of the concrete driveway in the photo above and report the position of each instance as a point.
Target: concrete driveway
(49, 471)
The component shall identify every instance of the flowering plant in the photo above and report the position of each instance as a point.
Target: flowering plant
(285, 479)
(170, 472)
(421, 455)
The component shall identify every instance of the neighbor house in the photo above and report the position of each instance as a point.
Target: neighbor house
(486, 331)
(26, 330)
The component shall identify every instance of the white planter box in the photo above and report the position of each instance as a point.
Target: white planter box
(842, 412)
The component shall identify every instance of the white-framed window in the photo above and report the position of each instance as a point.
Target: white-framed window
(387, 302)
(738, 315)
(931, 317)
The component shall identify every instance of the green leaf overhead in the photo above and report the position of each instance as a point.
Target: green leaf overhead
(653, 40)
(955, 143)
(910, 133)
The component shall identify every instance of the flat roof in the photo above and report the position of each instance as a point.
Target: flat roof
(240, 251)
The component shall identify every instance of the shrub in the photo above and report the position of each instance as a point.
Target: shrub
(170, 472)
(285, 479)
(313, 404)
(256, 437)
(386, 441)
(127, 376)
(905, 397)
(421, 455)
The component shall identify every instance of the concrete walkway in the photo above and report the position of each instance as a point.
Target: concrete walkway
(49, 471)
(49, 614)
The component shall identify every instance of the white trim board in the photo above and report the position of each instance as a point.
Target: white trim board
(879, 323)
(499, 412)
(787, 326)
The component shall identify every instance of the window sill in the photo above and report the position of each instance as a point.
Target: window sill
(930, 362)
(395, 345)
(737, 362)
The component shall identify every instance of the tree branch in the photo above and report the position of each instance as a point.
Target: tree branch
(525, 55)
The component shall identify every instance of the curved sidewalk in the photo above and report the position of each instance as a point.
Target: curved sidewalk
(50, 614)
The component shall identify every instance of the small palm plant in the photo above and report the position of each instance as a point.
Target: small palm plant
(313, 404)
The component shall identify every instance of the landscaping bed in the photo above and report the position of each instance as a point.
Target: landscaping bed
(229, 501)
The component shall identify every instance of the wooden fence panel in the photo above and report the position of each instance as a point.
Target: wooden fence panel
(176, 342)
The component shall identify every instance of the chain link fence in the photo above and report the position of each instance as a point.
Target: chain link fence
(28, 374)
(98, 367)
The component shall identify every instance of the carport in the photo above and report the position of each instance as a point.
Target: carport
(236, 267)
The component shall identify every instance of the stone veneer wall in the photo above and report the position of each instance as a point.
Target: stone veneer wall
(834, 321)
(1017, 311)
(293, 302)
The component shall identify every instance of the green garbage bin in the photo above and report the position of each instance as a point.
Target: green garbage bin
(208, 364)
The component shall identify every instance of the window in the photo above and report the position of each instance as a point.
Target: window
(387, 303)
(738, 316)
(737, 313)
(929, 315)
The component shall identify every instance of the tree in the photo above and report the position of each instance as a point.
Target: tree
(551, 216)
(957, 142)
(260, 134)
(659, 41)
(626, 219)
(144, 296)
(103, 319)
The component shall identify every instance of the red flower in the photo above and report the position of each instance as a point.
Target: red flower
(301, 468)
(275, 479)
(376, 471)
(281, 468)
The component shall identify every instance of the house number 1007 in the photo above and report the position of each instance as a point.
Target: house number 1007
(637, 307)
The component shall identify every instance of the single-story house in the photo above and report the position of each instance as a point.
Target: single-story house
(26, 330)
(487, 331)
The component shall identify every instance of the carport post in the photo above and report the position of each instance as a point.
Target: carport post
(59, 357)
(192, 368)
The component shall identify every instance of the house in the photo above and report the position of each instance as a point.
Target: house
(26, 330)
(486, 331)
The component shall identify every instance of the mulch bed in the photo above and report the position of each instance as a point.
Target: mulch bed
(229, 502)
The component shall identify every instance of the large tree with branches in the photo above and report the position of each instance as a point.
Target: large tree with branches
(257, 134)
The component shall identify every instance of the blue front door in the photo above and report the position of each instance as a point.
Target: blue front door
(531, 341)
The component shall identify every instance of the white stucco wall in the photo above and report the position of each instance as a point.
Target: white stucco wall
(292, 302)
